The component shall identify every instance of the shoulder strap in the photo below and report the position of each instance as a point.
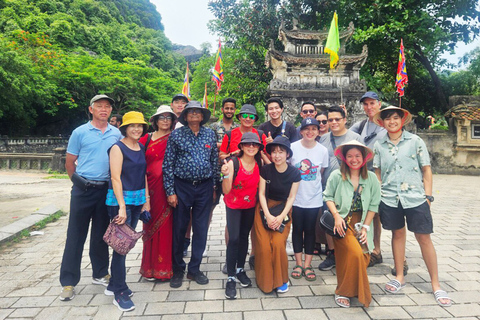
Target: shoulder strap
(283, 127)
(236, 167)
(149, 138)
(229, 135)
(358, 192)
(260, 134)
(361, 126)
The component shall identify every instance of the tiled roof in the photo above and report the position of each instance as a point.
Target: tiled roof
(463, 111)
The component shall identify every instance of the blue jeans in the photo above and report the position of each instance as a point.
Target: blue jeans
(117, 268)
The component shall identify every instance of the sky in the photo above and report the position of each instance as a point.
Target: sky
(186, 21)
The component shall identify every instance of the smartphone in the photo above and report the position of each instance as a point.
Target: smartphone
(280, 229)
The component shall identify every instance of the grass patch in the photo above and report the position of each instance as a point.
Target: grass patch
(57, 175)
(37, 226)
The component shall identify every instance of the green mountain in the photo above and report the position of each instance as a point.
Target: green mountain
(56, 55)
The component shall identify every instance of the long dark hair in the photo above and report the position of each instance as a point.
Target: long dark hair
(257, 157)
(344, 169)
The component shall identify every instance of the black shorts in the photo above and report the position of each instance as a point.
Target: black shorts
(419, 219)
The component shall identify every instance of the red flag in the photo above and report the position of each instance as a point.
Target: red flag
(402, 77)
(218, 70)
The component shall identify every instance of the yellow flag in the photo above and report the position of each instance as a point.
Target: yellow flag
(333, 42)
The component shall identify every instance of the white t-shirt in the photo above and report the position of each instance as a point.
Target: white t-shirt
(309, 162)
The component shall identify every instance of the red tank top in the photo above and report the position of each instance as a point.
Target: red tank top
(243, 194)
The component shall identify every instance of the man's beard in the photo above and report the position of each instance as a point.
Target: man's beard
(228, 117)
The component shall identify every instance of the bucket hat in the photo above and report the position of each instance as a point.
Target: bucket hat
(250, 137)
(309, 122)
(280, 141)
(100, 97)
(133, 117)
(407, 116)
(180, 96)
(164, 109)
(194, 105)
(248, 109)
(339, 150)
(369, 94)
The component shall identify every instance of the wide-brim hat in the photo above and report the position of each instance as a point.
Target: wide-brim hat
(100, 97)
(164, 109)
(338, 152)
(280, 141)
(250, 137)
(309, 122)
(248, 109)
(407, 116)
(133, 117)
(194, 105)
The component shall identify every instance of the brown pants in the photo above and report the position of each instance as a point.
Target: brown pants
(351, 265)
(271, 260)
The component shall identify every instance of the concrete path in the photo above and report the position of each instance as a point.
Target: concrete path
(29, 285)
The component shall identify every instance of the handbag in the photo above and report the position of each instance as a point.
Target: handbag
(121, 237)
(327, 221)
(274, 211)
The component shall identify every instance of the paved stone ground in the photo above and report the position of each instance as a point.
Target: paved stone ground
(29, 285)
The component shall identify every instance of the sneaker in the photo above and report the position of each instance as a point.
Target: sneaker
(123, 302)
(102, 281)
(243, 279)
(328, 263)
(68, 293)
(205, 254)
(111, 293)
(283, 288)
(224, 269)
(289, 248)
(230, 290)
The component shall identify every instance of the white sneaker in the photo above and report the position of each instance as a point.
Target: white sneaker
(205, 253)
(289, 248)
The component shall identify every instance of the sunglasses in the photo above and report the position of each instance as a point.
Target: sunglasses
(165, 118)
(250, 144)
(323, 121)
(308, 111)
(334, 119)
(194, 111)
(248, 116)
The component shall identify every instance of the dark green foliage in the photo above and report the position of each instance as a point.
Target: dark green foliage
(56, 55)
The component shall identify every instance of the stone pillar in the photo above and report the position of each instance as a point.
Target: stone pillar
(58, 161)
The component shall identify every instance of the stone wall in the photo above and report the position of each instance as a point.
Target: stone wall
(447, 158)
(32, 144)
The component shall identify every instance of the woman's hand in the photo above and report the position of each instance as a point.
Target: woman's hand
(363, 236)
(122, 216)
(271, 221)
(225, 169)
(339, 226)
(146, 205)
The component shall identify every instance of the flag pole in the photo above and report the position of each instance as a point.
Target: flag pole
(214, 102)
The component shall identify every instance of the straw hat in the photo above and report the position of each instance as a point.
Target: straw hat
(407, 116)
(339, 150)
(164, 109)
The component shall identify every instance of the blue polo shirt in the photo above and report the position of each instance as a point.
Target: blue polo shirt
(91, 145)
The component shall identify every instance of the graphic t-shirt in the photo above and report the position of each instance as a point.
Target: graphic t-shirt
(309, 162)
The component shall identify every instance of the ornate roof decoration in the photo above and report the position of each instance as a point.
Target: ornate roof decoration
(299, 34)
(464, 111)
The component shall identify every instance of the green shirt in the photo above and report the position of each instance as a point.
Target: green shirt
(401, 170)
(341, 193)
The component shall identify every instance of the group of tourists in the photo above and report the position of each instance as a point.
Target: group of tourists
(273, 179)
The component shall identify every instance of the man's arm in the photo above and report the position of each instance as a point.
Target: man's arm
(427, 180)
(70, 164)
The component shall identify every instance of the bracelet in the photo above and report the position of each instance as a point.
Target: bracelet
(148, 197)
(226, 177)
(366, 226)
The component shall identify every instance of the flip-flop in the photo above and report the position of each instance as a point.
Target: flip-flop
(441, 294)
(311, 276)
(295, 273)
(340, 304)
(396, 284)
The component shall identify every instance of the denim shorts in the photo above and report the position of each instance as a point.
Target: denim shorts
(419, 219)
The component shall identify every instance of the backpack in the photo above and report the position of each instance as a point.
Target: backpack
(229, 135)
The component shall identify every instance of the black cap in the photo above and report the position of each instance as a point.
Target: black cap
(180, 96)
(369, 94)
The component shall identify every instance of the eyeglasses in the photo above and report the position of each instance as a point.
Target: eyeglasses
(250, 144)
(194, 111)
(334, 119)
(311, 111)
(163, 118)
(248, 116)
(323, 121)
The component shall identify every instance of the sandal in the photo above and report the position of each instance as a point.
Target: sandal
(310, 276)
(441, 294)
(295, 273)
(405, 269)
(342, 304)
(375, 259)
(396, 285)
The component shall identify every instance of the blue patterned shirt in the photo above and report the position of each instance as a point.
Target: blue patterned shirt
(190, 157)
(401, 169)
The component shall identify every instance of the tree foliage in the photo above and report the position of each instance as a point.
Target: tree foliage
(56, 55)
(428, 29)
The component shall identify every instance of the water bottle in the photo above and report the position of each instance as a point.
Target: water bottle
(358, 229)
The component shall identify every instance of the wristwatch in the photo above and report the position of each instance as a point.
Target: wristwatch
(430, 198)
